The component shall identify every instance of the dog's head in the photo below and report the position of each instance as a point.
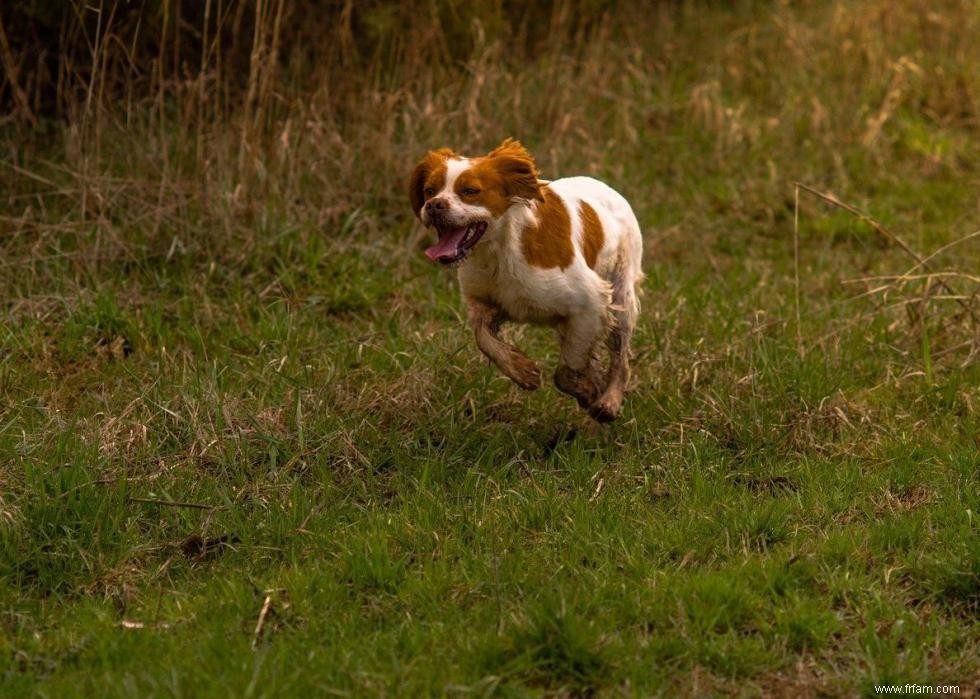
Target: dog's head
(463, 197)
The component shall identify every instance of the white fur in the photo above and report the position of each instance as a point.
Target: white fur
(497, 270)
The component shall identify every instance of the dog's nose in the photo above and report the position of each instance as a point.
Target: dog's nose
(434, 205)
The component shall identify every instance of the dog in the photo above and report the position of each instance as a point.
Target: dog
(565, 253)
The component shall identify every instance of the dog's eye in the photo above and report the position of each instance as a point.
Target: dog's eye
(470, 192)
(429, 191)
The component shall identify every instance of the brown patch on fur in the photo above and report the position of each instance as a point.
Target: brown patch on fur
(490, 186)
(506, 172)
(548, 243)
(430, 172)
(592, 235)
(515, 169)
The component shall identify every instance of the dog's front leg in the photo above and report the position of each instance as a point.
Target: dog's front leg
(579, 374)
(485, 320)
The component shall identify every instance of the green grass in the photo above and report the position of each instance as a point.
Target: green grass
(769, 517)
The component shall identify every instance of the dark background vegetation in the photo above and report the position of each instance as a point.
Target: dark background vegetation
(57, 49)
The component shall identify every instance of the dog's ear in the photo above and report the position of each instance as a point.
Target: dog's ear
(517, 169)
(416, 183)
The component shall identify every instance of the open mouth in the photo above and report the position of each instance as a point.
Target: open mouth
(455, 243)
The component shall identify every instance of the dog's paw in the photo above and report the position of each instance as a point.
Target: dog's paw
(604, 411)
(525, 372)
(608, 407)
(578, 384)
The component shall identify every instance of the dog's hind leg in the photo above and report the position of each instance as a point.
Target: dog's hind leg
(625, 309)
(519, 368)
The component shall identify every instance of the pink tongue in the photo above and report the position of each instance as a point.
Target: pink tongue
(448, 245)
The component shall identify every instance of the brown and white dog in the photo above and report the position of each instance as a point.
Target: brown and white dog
(564, 253)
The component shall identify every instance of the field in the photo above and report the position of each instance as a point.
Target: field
(249, 448)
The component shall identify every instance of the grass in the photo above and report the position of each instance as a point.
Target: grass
(231, 381)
